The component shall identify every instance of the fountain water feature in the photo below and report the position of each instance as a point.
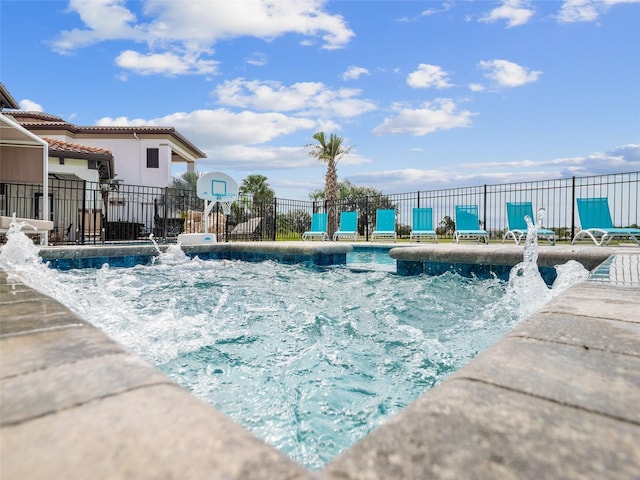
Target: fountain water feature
(155, 244)
(525, 281)
(19, 253)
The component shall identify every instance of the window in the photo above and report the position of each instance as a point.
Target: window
(61, 161)
(153, 155)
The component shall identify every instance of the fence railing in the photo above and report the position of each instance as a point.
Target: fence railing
(91, 213)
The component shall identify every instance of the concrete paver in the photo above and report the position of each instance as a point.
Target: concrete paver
(468, 429)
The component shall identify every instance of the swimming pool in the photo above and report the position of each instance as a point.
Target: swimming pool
(309, 360)
(371, 258)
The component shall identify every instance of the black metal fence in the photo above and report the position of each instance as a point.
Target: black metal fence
(92, 213)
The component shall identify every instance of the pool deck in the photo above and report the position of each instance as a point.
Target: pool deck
(557, 397)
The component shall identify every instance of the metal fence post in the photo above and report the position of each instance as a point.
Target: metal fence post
(165, 203)
(573, 208)
(366, 217)
(275, 218)
(84, 212)
(484, 207)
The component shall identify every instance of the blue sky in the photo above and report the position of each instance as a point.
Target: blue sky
(429, 94)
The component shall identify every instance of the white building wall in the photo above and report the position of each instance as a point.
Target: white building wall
(73, 167)
(130, 158)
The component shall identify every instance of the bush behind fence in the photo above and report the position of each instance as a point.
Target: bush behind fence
(91, 213)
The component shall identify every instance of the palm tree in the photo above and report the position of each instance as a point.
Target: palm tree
(258, 187)
(329, 151)
(183, 192)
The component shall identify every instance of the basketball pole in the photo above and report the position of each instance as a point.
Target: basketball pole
(208, 206)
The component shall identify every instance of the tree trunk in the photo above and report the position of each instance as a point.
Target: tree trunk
(331, 197)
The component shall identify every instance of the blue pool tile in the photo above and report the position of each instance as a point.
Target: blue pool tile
(407, 268)
(438, 268)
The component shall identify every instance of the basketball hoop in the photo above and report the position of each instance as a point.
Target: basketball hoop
(217, 187)
(225, 202)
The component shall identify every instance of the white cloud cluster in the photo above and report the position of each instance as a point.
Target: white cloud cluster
(625, 158)
(509, 74)
(515, 12)
(428, 76)
(573, 11)
(503, 73)
(220, 127)
(521, 12)
(441, 114)
(167, 63)
(308, 98)
(180, 33)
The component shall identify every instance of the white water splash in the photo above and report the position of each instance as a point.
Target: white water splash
(526, 286)
(19, 253)
(173, 255)
(155, 244)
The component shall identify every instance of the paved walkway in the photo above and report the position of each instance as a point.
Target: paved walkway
(558, 397)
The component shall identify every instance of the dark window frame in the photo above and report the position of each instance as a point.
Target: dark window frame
(153, 158)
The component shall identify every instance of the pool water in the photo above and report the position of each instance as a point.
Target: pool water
(309, 360)
(371, 258)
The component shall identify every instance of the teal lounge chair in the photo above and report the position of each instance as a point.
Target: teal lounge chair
(516, 212)
(348, 227)
(596, 223)
(318, 227)
(422, 225)
(468, 225)
(385, 225)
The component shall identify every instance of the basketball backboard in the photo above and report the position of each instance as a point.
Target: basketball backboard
(217, 187)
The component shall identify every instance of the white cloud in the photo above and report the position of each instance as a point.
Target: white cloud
(573, 11)
(515, 12)
(169, 64)
(353, 73)
(428, 76)
(476, 87)
(509, 74)
(214, 128)
(270, 158)
(440, 114)
(625, 158)
(310, 98)
(104, 19)
(258, 59)
(183, 28)
(30, 106)
(446, 6)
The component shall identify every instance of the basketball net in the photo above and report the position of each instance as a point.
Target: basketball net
(225, 202)
(226, 206)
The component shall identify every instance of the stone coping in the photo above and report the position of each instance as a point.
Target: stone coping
(557, 397)
(330, 253)
(508, 255)
(106, 250)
